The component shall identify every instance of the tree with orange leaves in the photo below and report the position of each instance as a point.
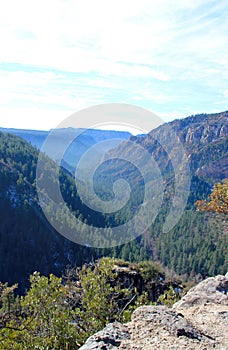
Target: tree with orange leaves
(217, 201)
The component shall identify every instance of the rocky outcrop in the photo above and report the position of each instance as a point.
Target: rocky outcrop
(109, 338)
(212, 290)
(204, 138)
(134, 277)
(198, 321)
(206, 306)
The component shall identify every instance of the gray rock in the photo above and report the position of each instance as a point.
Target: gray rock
(108, 338)
(212, 290)
(173, 322)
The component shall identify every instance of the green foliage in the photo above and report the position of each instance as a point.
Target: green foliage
(44, 321)
(195, 245)
(141, 300)
(104, 298)
(150, 270)
(99, 296)
(169, 298)
(60, 316)
(27, 242)
(8, 304)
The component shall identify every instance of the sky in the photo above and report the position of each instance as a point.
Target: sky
(60, 56)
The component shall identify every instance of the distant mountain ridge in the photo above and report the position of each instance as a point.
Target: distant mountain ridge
(37, 137)
(86, 138)
(204, 138)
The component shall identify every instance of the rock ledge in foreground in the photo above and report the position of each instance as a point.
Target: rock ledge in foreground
(198, 321)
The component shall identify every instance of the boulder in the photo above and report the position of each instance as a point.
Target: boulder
(107, 339)
(211, 290)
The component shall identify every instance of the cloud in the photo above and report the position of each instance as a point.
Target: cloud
(226, 94)
(66, 55)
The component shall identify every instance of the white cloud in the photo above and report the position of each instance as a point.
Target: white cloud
(32, 118)
(96, 51)
(151, 96)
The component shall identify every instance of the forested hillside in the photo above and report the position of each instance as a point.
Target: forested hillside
(196, 245)
(27, 241)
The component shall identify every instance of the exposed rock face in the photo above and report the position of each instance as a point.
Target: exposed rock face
(198, 321)
(109, 338)
(211, 290)
(206, 306)
(204, 138)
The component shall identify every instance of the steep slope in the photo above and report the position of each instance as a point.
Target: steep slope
(27, 241)
(196, 244)
(204, 138)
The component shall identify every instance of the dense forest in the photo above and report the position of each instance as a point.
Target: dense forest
(194, 246)
(27, 241)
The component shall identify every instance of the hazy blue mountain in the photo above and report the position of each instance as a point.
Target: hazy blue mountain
(85, 139)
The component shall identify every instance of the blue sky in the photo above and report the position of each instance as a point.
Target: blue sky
(60, 56)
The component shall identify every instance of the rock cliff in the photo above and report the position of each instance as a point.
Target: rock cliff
(198, 321)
